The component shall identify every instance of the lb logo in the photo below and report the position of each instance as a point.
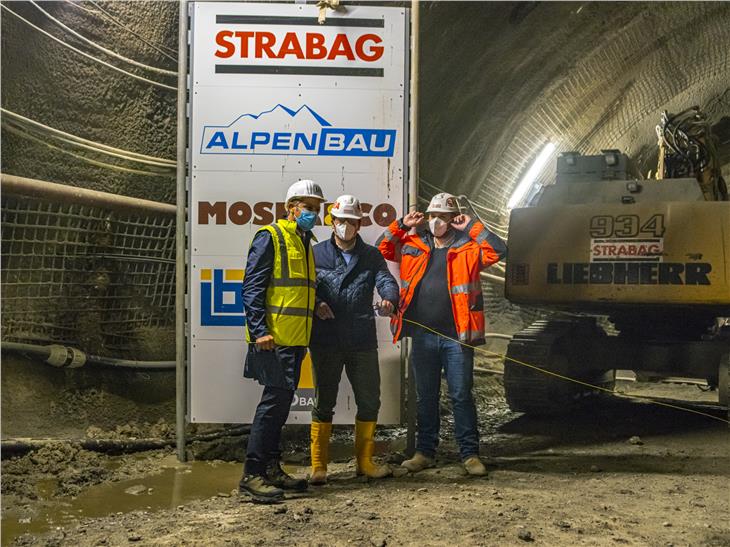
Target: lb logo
(221, 302)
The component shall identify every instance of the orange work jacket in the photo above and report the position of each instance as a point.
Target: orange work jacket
(472, 250)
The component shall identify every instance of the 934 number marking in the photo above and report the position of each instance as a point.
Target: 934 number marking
(626, 226)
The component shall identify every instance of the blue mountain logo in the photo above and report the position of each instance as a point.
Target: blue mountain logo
(282, 131)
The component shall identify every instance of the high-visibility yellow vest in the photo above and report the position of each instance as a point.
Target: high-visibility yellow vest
(290, 294)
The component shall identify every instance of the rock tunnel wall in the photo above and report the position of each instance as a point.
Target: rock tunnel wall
(497, 81)
(48, 82)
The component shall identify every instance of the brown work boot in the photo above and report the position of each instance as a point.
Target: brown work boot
(260, 489)
(474, 466)
(283, 480)
(418, 462)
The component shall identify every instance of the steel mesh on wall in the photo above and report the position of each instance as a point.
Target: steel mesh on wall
(87, 276)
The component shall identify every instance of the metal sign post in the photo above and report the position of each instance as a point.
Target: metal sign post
(413, 202)
(180, 262)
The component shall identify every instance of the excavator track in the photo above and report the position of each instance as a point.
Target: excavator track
(534, 392)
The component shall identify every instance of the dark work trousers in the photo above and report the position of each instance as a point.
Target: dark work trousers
(273, 409)
(270, 417)
(363, 372)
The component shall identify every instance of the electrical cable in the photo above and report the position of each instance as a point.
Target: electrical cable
(482, 207)
(96, 150)
(133, 156)
(102, 48)
(78, 5)
(157, 48)
(568, 378)
(116, 68)
(96, 163)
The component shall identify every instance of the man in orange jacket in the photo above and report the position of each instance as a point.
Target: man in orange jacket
(442, 309)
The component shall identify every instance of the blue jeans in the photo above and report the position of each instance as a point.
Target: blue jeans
(429, 355)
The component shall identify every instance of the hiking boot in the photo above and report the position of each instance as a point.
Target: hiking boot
(418, 462)
(279, 478)
(260, 489)
(474, 466)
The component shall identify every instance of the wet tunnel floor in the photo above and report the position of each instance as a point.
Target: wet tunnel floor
(616, 491)
(171, 485)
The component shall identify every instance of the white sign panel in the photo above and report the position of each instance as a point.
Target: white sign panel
(274, 98)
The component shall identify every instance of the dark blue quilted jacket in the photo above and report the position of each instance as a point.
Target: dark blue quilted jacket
(348, 289)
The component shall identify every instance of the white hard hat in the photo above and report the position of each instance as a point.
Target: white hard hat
(304, 189)
(443, 203)
(346, 206)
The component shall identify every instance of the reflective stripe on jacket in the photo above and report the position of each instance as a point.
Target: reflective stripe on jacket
(472, 250)
(290, 294)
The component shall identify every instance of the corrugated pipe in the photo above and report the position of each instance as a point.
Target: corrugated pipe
(68, 357)
(15, 447)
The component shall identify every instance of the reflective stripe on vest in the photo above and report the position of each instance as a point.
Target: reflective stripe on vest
(290, 294)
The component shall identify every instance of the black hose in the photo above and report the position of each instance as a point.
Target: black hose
(16, 447)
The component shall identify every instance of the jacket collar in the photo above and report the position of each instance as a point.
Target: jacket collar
(460, 238)
(291, 227)
(357, 249)
(288, 225)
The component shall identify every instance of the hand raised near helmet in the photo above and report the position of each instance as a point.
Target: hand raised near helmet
(413, 219)
(460, 222)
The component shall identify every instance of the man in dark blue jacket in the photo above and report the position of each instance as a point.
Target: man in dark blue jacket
(278, 298)
(344, 335)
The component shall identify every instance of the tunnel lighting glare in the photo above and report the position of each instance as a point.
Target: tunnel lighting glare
(531, 175)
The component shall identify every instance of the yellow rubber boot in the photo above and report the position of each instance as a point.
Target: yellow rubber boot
(364, 449)
(320, 451)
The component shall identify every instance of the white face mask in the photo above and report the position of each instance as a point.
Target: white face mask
(345, 231)
(437, 226)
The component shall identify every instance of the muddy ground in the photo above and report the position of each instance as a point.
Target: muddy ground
(620, 472)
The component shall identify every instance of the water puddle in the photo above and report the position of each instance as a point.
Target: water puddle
(168, 489)
(176, 484)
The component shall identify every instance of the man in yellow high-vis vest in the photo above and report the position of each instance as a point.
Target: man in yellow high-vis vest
(278, 298)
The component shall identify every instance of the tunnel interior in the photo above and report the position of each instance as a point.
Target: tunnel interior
(498, 80)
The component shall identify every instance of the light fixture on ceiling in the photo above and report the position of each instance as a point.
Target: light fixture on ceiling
(530, 176)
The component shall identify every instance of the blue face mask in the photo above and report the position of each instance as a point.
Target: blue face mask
(306, 220)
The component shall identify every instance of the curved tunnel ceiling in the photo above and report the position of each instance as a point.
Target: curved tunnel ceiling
(499, 80)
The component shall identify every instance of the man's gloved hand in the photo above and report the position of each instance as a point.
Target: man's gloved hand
(323, 311)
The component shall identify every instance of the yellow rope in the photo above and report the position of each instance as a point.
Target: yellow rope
(569, 379)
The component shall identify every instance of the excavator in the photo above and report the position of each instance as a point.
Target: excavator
(633, 274)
